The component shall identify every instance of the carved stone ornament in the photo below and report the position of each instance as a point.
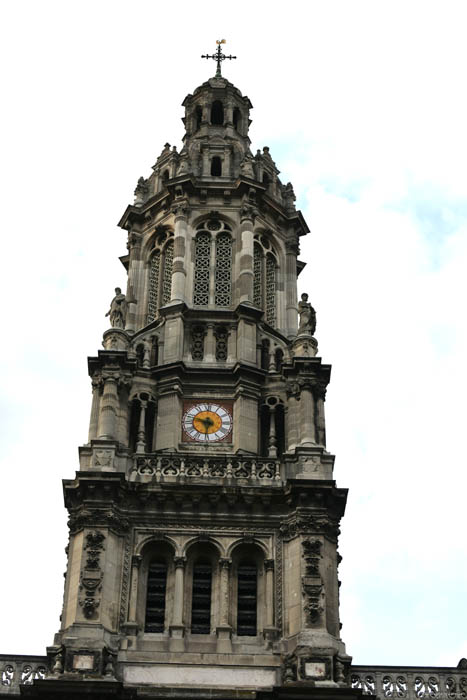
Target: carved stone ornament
(97, 518)
(289, 669)
(312, 555)
(313, 607)
(248, 212)
(89, 605)
(103, 458)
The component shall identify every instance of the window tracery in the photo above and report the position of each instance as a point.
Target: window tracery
(223, 289)
(213, 259)
(264, 281)
(202, 264)
(160, 275)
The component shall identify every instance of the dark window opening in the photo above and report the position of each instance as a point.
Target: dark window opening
(217, 113)
(237, 119)
(165, 176)
(154, 352)
(278, 358)
(266, 179)
(150, 419)
(265, 354)
(198, 117)
(264, 431)
(140, 355)
(134, 424)
(216, 166)
(201, 598)
(280, 429)
(246, 598)
(155, 600)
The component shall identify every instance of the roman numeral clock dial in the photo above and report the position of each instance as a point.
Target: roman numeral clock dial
(207, 422)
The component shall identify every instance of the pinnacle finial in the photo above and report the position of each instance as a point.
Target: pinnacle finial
(218, 56)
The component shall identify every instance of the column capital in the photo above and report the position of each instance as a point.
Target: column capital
(225, 563)
(136, 560)
(181, 210)
(179, 562)
(269, 564)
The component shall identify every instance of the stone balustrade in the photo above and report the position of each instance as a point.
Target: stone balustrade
(410, 682)
(16, 670)
(170, 467)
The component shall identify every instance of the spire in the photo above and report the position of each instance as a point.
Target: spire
(219, 57)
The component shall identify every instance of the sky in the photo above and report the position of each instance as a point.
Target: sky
(364, 108)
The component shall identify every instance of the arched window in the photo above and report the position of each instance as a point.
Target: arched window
(223, 288)
(198, 117)
(160, 276)
(201, 597)
(141, 433)
(217, 113)
(247, 598)
(258, 276)
(202, 264)
(237, 119)
(264, 280)
(216, 166)
(167, 279)
(270, 290)
(156, 596)
(213, 264)
(154, 277)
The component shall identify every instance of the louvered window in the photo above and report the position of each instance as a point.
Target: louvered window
(155, 600)
(247, 585)
(201, 598)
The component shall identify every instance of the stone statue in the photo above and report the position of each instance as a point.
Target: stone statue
(307, 316)
(117, 311)
(246, 167)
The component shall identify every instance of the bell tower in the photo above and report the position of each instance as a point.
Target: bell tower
(204, 518)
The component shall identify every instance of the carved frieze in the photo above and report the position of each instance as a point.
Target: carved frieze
(97, 518)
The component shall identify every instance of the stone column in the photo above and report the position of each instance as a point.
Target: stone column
(134, 290)
(94, 419)
(272, 444)
(269, 569)
(210, 344)
(320, 419)
(177, 627)
(141, 436)
(291, 250)
(223, 630)
(108, 410)
(245, 279)
(135, 565)
(307, 418)
(177, 616)
(293, 422)
(224, 565)
(180, 241)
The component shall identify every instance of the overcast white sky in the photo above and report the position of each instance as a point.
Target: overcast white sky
(364, 108)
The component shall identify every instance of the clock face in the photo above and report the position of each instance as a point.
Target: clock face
(207, 422)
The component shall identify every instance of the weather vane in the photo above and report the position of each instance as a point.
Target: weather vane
(218, 56)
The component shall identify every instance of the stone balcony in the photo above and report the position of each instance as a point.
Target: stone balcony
(404, 682)
(411, 682)
(178, 467)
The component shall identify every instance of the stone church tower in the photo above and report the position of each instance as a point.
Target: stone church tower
(204, 519)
